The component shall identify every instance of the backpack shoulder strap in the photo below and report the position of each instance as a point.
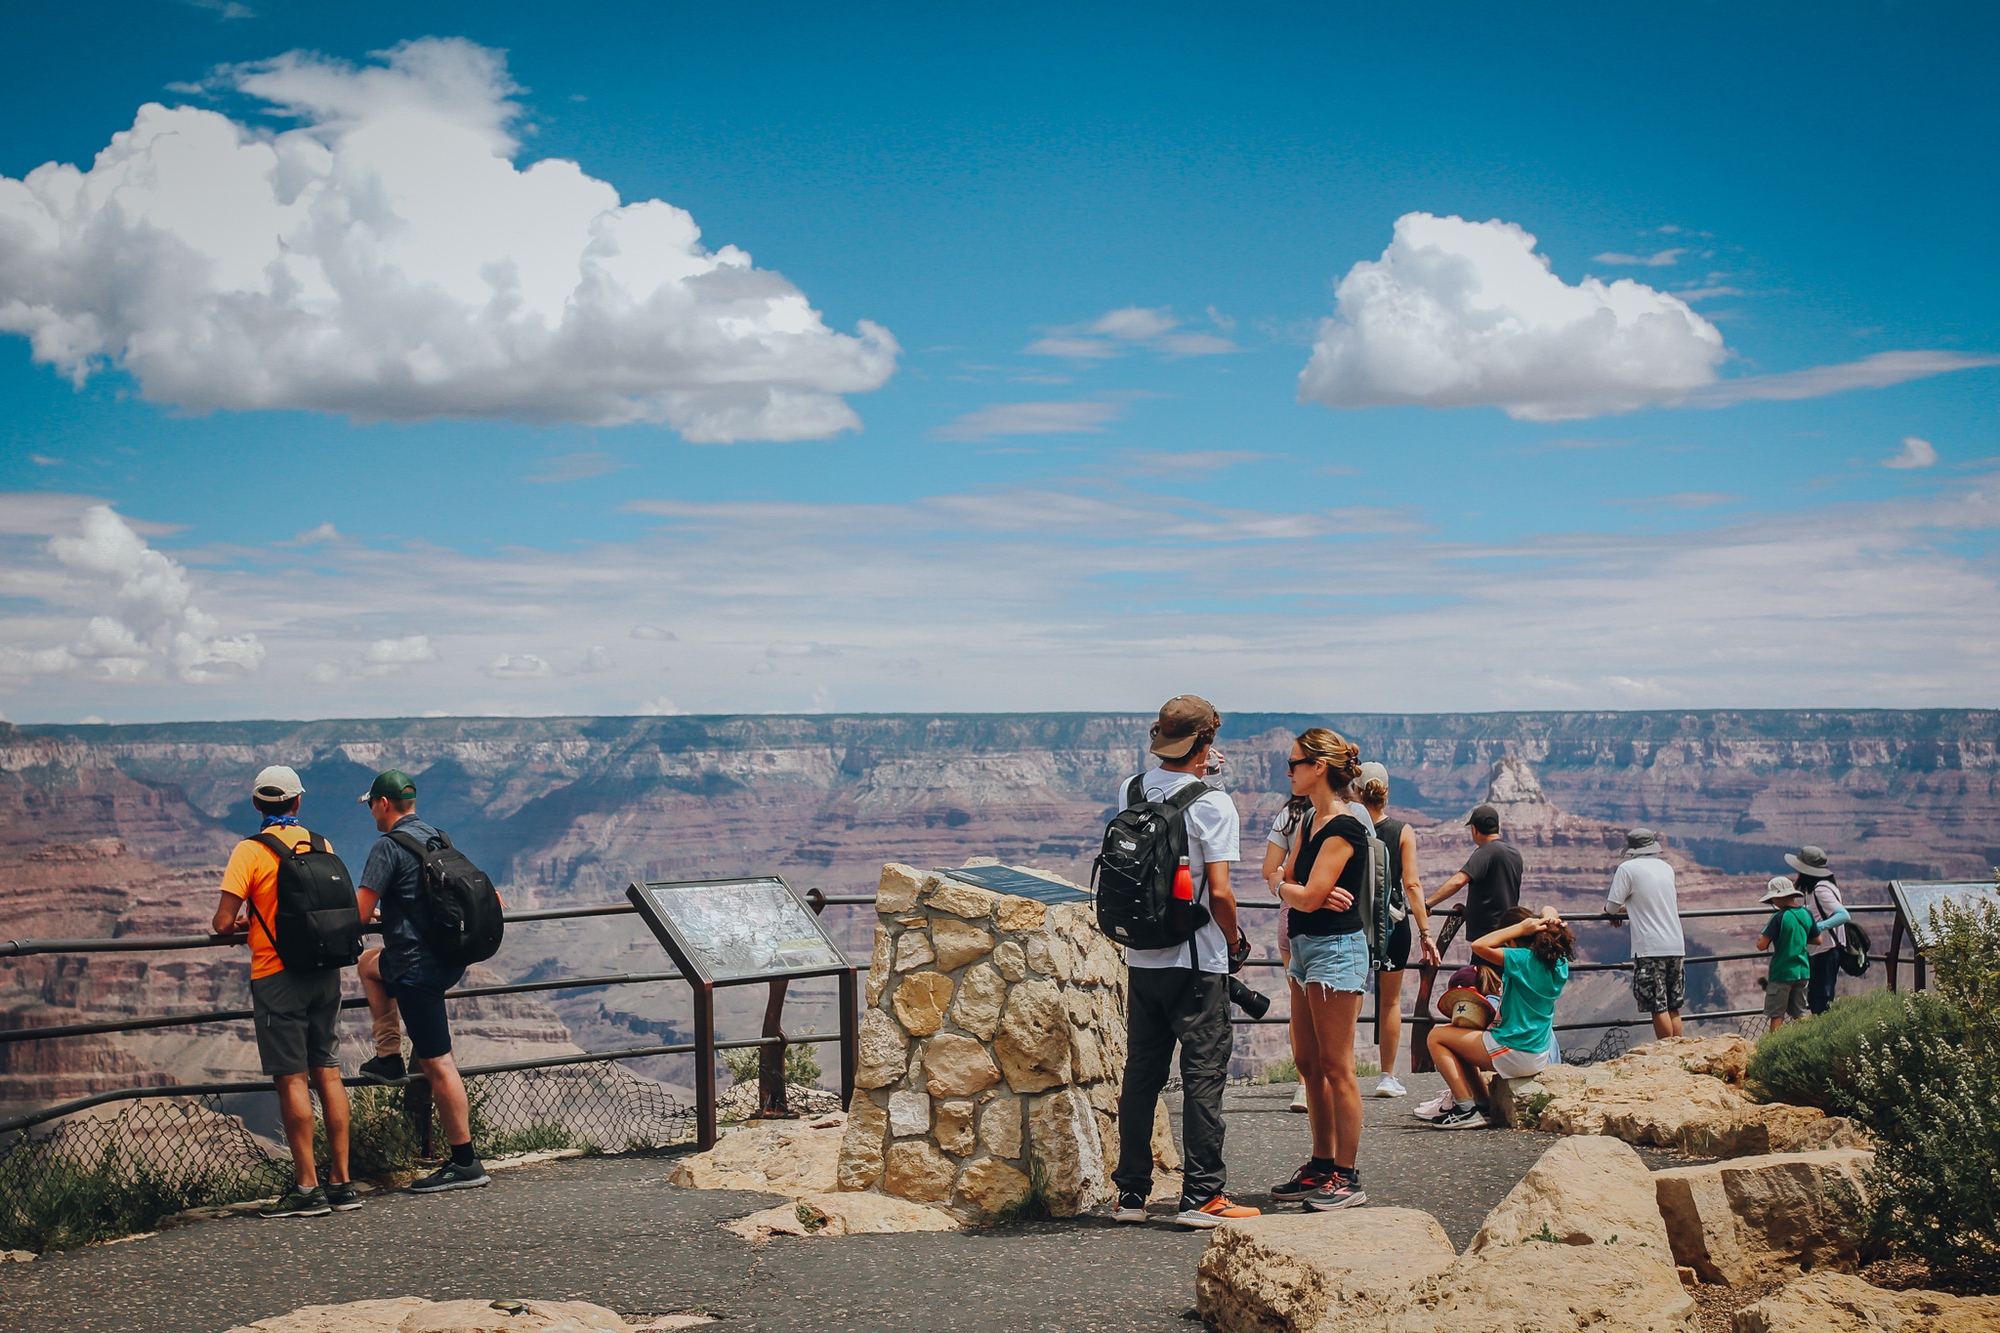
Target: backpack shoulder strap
(1135, 791)
(1187, 796)
(276, 844)
(409, 843)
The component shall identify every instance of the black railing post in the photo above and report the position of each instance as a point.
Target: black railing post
(771, 1059)
(704, 1064)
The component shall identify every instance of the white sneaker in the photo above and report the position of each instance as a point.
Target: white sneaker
(1435, 1107)
(1387, 1086)
(1299, 1101)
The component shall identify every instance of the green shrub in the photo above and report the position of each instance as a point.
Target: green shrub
(801, 1064)
(1812, 1063)
(51, 1201)
(1928, 1090)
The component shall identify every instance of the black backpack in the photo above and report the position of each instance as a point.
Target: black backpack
(1144, 846)
(1854, 953)
(318, 924)
(461, 921)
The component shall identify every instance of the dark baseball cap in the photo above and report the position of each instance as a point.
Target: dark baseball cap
(1186, 720)
(1484, 818)
(393, 784)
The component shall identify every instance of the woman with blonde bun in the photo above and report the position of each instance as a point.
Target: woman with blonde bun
(1401, 842)
(1328, 971)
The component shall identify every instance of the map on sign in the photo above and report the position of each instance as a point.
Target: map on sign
(730, 929)
(1918, 898)
(1006, 879)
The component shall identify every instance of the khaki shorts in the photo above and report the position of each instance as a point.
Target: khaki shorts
(1785, 999)
(295, 1017)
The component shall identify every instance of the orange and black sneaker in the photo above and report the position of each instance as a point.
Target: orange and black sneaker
(1213, 1213)
(1303, 1182)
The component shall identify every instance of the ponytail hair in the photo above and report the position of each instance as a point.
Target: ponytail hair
(1341, 756)
(1556, 943)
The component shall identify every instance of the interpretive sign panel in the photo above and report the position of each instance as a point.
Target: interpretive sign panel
(1006, 879)
(727, 930)
(1916, 898)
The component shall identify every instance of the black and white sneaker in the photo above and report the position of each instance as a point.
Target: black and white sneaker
(1303, 1182)
(1342, 1190)
(1131, 1207)
(343, 1198)
(298, 1203)
(1463, 1117)
(452, 1176)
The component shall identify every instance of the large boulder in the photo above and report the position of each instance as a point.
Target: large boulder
(842, 1215)
(1536, 1287)
(1582, 1191)
(780, 1156)
(1748, 1218)
(1840, 1303)
(413, 1314)
(1294, 1272)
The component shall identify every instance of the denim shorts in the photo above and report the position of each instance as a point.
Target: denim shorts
(1338, 962)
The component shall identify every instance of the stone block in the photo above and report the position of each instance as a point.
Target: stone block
(842, 1215)
(1014, 913)
(914, 1169)
(1037, 948)
(1087, 1056)
(860, 1164)
(980, 994)
(1299, 1272)
(913, 950)
(954, 1127)
(1749, 1218)
(784, 1157)
(884, 1052)
(958, 943)
(879, 965)
(990, 1186)
(920, 1001)
(961, 900)
(1064, 1142)
(898, 889)
(1011, 959)
(1842, 1303)
(1536, 1287)
(1582, 1191)
(1032, 1045)
(1000, 1126)
(909, 1114)
(957, 1066)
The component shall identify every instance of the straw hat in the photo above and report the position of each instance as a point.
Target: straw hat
(1468, 1008)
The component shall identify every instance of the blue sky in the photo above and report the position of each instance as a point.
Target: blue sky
(1102, 247)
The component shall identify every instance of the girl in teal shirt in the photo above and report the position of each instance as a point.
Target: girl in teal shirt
(1533, 955)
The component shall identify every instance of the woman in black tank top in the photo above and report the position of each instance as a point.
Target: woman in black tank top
(1329, 967)
(1401, 844)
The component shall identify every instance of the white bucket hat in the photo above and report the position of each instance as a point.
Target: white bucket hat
(1779, 887)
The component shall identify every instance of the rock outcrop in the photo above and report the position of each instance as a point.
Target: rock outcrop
(1576, 1245)
(1748, 1218)
(814, 1215)
(1679, 1092)
(990, 1060)
(413, 1314)
(1840, 1303)
(794, 1157)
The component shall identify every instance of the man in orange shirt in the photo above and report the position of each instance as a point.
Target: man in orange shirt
(296, 1013)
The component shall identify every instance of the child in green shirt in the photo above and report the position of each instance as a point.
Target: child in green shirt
(1788, 932)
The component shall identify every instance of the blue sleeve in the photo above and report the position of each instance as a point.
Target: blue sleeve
(1770, 930)
(380, 870)
(1839, 918)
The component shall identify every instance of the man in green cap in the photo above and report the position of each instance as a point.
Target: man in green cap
(405, 978)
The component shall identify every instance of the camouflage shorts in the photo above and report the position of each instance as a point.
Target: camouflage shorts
(1658, 985)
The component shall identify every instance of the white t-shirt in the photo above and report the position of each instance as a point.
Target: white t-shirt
(1644, 886)
(1214, 834)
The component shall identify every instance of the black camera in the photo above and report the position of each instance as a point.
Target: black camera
(1249, 1001)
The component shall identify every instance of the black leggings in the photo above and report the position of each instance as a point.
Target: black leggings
(1822, 979)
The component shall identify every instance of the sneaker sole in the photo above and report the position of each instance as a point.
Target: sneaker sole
(1290, 1196)
(1379, 1093)
(1463, 1124)
(1354, 1200)
(301, 1212)
(1129, 1215)
(1299, 1107)
(478, 1184)
(1201, 1221)
(354, 1207)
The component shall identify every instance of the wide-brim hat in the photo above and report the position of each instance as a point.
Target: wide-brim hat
(1642, 842)
(1810, 861)
(1461, 994)
(1779, 887)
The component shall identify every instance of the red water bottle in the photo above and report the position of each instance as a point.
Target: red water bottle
(1183, 882)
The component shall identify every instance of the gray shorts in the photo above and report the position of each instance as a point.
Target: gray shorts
(1785, 999)
(295, 1017)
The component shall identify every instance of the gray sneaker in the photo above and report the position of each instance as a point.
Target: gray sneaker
(452, 1176)
(1342, 1190)
(343, 1198)
(298, 1203)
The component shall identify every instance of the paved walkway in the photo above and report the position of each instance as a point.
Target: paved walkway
(611, 1230)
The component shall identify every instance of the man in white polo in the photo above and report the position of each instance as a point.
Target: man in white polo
(1642, 892)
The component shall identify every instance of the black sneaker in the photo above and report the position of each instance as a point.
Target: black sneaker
(1131, 1207)
(343, 1198)
(1342, 1190)
(384, 1069)
(1303, 1182)
(1464, 1117)
(452, 1176)
(299, 1203)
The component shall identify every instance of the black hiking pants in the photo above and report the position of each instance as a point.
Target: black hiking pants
(1165, 1005)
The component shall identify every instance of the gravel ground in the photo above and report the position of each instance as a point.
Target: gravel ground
(611, 1230)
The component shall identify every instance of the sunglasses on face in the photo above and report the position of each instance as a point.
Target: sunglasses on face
(1291, 764)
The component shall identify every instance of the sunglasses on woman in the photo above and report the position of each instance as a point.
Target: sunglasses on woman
(1291, 764)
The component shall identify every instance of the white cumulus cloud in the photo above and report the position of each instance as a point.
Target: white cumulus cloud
(388, 259)
(1467, 314)
(148, 620)
(1916, 453)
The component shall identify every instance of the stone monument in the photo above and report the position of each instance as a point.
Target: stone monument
(992, 1047)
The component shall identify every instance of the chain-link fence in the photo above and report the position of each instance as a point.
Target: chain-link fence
(123, 1167)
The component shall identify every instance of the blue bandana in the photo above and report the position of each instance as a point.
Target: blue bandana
(289, 821)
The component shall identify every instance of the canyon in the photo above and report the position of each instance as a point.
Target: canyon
(123, 829)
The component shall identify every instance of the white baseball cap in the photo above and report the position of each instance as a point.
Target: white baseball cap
(277, 783)
(1371, 772)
